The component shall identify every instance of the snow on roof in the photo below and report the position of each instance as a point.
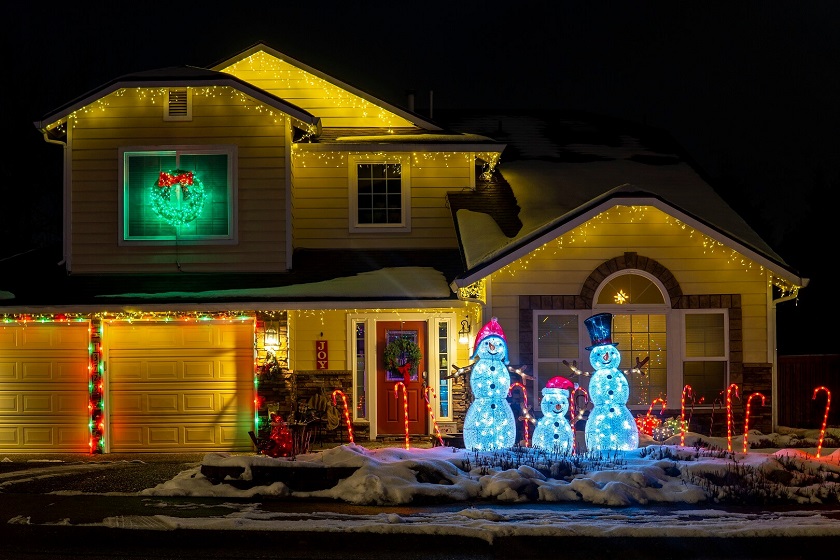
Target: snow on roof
(398, 283)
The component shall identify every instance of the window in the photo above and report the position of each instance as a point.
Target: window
(361, 381)
(379, 197)
(642, 336)
(178, 195)
(705, 354)
(443, 372)
(557, 339)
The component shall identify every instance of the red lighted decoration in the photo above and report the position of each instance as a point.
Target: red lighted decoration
(405, 408)
(429, 408)
(648, 422)
(729, 422)
(346, 412)
(747, 416)
(96, 392)
(526, 418)
(825, 417)
(687, 391)
(280, 442)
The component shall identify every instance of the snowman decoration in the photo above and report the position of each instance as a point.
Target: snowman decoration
(554, 432)
(610, 425)
(489, 423)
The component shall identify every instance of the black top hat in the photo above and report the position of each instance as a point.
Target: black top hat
(600, 330)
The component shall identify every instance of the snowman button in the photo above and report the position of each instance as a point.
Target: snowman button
(556, 425)
(492, 385)
(492, 406)
(609, 376)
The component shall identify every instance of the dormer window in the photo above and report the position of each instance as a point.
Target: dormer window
(178, 105)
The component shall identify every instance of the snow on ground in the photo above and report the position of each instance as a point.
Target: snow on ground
(658, 489)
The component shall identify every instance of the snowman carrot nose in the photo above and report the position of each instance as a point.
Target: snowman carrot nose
(491, 346)
(606, 356)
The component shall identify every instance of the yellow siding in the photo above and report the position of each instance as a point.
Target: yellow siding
(135, 118)
(320, 325)
(320, 194)
(561, 267)
(44, 388)
(335, 106)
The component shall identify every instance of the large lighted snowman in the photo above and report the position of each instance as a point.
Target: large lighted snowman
(489, 423)
(610, 425)
(554, 432)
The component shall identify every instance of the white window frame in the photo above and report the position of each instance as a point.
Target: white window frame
(232, 175)
(710, 402)
(405, 192)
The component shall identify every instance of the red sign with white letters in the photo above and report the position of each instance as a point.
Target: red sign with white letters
(321, 360)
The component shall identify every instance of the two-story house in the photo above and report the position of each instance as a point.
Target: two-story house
(217, 220)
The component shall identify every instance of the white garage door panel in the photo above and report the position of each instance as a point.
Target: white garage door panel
(177, 386)
(44, 388)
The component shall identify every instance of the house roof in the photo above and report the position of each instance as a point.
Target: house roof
(565, 169)
(176, 76)
(417, 119)
(30, 284)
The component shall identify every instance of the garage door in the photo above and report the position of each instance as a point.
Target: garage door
(44, 387)
(179, 387)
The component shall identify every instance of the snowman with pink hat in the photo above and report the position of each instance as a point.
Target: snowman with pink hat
(489, 423)
(554, 432)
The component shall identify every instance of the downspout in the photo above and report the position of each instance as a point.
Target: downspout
(65, 200)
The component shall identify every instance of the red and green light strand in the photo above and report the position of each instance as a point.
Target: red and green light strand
(96, 391)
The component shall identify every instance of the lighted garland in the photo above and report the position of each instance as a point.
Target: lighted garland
(402, 355)
(178, 197)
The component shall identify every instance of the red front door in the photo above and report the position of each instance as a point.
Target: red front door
(391, 406)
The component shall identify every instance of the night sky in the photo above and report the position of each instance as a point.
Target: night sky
(751, 90)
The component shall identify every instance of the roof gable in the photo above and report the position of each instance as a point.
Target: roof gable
(335, 102)
(563, 175)
(176, 76)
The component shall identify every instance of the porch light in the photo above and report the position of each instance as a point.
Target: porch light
(464, 333)
(271, 341)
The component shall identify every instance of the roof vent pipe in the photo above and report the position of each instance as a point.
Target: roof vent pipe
(431, 102)
(410, 94)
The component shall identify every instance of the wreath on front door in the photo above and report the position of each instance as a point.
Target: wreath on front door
(402, 355)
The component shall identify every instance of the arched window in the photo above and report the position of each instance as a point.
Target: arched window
(640, 311)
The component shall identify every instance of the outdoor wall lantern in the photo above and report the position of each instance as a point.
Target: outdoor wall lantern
(271, 341)
(464, 333)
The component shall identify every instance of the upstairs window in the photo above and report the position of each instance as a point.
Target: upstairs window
(379, 196)
(177, 195)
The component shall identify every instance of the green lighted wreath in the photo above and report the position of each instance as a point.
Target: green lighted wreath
(178, 197)
(402, 354)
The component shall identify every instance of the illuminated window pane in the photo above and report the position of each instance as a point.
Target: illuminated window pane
(641, 336)
(142, 170)
(630, 289)
(379, 188)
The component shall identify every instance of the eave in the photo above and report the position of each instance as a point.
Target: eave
(509, 254)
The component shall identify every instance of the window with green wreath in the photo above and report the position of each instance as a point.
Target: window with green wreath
(178, 194)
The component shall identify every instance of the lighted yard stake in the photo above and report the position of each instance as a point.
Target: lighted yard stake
(346, 412)
(687, 390)
(729, 415)
(825, 417)
(526, 419)
(405, 407)
(429, 408)
(747, 417)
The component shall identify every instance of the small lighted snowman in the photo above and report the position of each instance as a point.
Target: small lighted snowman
(554, 432)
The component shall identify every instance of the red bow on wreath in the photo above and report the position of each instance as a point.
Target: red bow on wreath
(168, 179)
